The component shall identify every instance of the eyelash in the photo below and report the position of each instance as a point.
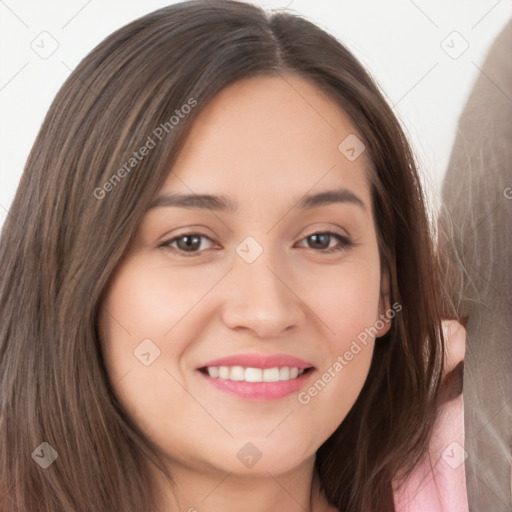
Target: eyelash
(346, 243)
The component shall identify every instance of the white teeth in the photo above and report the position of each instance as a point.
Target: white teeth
(270, 374)
(284, 373)
(223, 372)
(237, 373)
(213, 371)
(254, 374)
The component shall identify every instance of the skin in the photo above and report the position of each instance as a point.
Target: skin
(264, 142)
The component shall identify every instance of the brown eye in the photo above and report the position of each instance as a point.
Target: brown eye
(187, 243)
(321, 241)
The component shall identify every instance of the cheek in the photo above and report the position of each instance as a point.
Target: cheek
(335, 388)
(146, 302)
(347, 304)
(345, 300)
(339, 381)
(144, 331)
(150, 303)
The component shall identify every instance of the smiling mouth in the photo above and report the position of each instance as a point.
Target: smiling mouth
(240, 373)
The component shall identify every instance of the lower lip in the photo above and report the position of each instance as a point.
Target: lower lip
(259, 390)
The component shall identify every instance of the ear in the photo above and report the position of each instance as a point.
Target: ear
(455, 343)
(384, 307)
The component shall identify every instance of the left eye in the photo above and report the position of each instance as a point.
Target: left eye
(320, 238)
(189, 244)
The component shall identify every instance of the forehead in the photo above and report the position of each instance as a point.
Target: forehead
(267, 137)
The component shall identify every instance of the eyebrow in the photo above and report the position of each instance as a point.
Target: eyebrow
(225, 204)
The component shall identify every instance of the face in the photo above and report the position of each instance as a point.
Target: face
(273, 286)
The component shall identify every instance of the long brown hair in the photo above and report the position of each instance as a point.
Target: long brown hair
(67, 230)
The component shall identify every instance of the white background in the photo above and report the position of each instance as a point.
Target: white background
(399, 41)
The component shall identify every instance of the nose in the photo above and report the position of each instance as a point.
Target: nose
(261, 299)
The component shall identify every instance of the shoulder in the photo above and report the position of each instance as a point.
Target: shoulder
(438, 483)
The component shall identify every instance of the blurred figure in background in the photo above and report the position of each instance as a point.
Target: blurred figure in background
(476, 217)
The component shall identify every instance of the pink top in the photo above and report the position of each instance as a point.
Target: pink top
(439, 483)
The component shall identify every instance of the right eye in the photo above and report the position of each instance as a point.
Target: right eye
(186, 244)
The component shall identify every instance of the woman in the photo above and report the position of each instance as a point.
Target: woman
(218, 281)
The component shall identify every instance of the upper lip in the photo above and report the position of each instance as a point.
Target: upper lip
(259, 361)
